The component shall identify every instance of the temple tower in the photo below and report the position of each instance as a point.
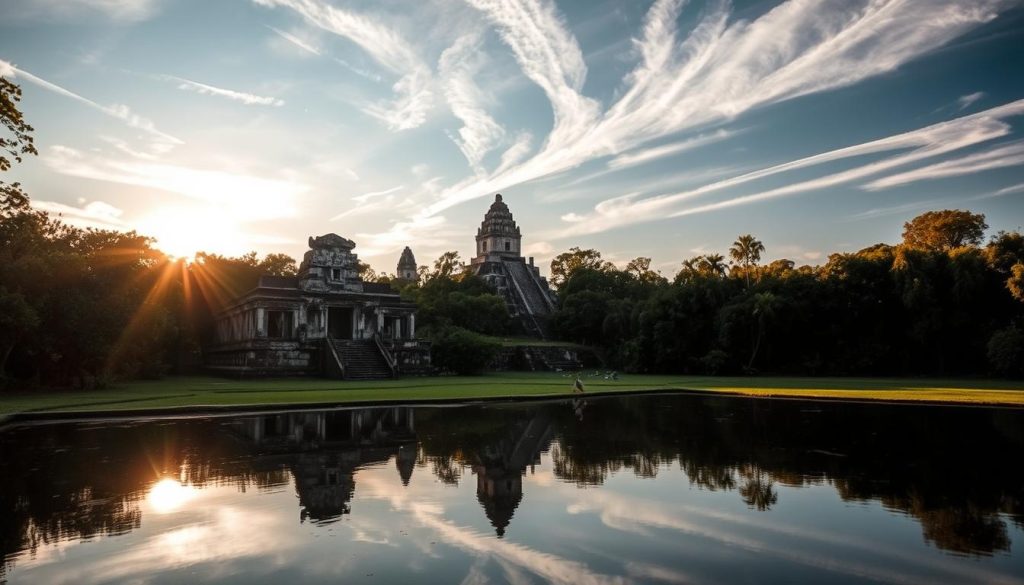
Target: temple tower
(406, 265)
(498, 235)
(498, 261)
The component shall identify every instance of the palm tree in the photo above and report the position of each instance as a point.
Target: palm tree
(747, 251)
(713, 264)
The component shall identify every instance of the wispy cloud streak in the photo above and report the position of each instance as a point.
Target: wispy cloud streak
(413, 89)
(921, 144)
(966, 101)
(721, 69)
(119, 111)
(248, 99)
(995, 158)
(480, 133)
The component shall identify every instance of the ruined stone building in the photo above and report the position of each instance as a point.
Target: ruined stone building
(499, 262)
(325, 321)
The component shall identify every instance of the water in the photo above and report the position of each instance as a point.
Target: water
(655, 489)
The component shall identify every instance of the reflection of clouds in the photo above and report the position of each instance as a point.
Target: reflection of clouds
(633, 515)
(647, 572)
(430, 514)
(226, 533)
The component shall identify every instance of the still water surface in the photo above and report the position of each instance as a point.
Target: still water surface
(652, 489)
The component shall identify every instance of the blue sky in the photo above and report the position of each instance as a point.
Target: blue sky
(659, 129)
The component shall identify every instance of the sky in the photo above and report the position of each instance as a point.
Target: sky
(662, 129)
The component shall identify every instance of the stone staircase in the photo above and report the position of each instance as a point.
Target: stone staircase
(362, 360)
(532, 304)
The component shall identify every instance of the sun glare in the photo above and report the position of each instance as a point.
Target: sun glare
(169, 495)
(182, 233)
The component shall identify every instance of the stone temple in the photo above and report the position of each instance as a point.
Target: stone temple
(499, 262)
(325, 321)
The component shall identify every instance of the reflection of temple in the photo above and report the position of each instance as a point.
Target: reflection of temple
(499, 468)
(325, 448)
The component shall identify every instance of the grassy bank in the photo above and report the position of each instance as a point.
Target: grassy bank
(208, 391)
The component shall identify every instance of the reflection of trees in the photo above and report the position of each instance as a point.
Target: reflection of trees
(69, 481)
(757, 490)
(955, 470)
(901, 456)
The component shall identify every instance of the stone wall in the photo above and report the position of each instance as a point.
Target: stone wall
(262, 357)
(412, 358)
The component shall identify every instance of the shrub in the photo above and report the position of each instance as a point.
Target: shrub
(461, 351)
(1006, 352)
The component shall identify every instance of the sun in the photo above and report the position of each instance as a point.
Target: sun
(169, 495)
(182, 233)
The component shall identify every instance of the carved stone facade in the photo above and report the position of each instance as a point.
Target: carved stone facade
(324, 321)
(516, 279)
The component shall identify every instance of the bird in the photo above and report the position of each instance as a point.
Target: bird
(577, 386)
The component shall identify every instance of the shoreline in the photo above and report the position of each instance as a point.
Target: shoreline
(83, 412)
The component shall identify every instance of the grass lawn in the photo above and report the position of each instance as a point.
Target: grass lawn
(208, 391)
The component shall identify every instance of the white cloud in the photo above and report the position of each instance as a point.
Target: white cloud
(414, 93)
(366, 196)
(966, 101)
(119, 111)
(994, 158)
(248, 99)
(723, 68)
(646, 155)
(479, 133)
(95, 214)
(1018, 188)
(925, 143)
(304, 45)
(308, 46)
(239, 196)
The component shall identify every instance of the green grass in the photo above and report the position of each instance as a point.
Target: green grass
(207, 391)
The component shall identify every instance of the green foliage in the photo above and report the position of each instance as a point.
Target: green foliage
(884, 310)
(448, 265)
(19, 142)
(463, 352)
(944, 230)
(1006, 352)
(468, 303)
(568, 263)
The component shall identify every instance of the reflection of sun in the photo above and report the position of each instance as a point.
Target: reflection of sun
(180, 233)
(168, 495)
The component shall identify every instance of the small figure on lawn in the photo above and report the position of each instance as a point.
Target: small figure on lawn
(577, 386)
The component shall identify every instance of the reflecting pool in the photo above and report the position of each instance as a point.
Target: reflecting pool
(644, 489)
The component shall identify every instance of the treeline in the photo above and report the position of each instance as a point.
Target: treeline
(939, 303)
(81, 307)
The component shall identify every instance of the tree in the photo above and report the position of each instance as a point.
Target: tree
(712, 265)
(565, 264)
(747, 251)
(20, 143)
(640, 268)
(447, 265)
(278, 265)
(1006, 352)
(944, 230)
(17, 319)
(1016, 281)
